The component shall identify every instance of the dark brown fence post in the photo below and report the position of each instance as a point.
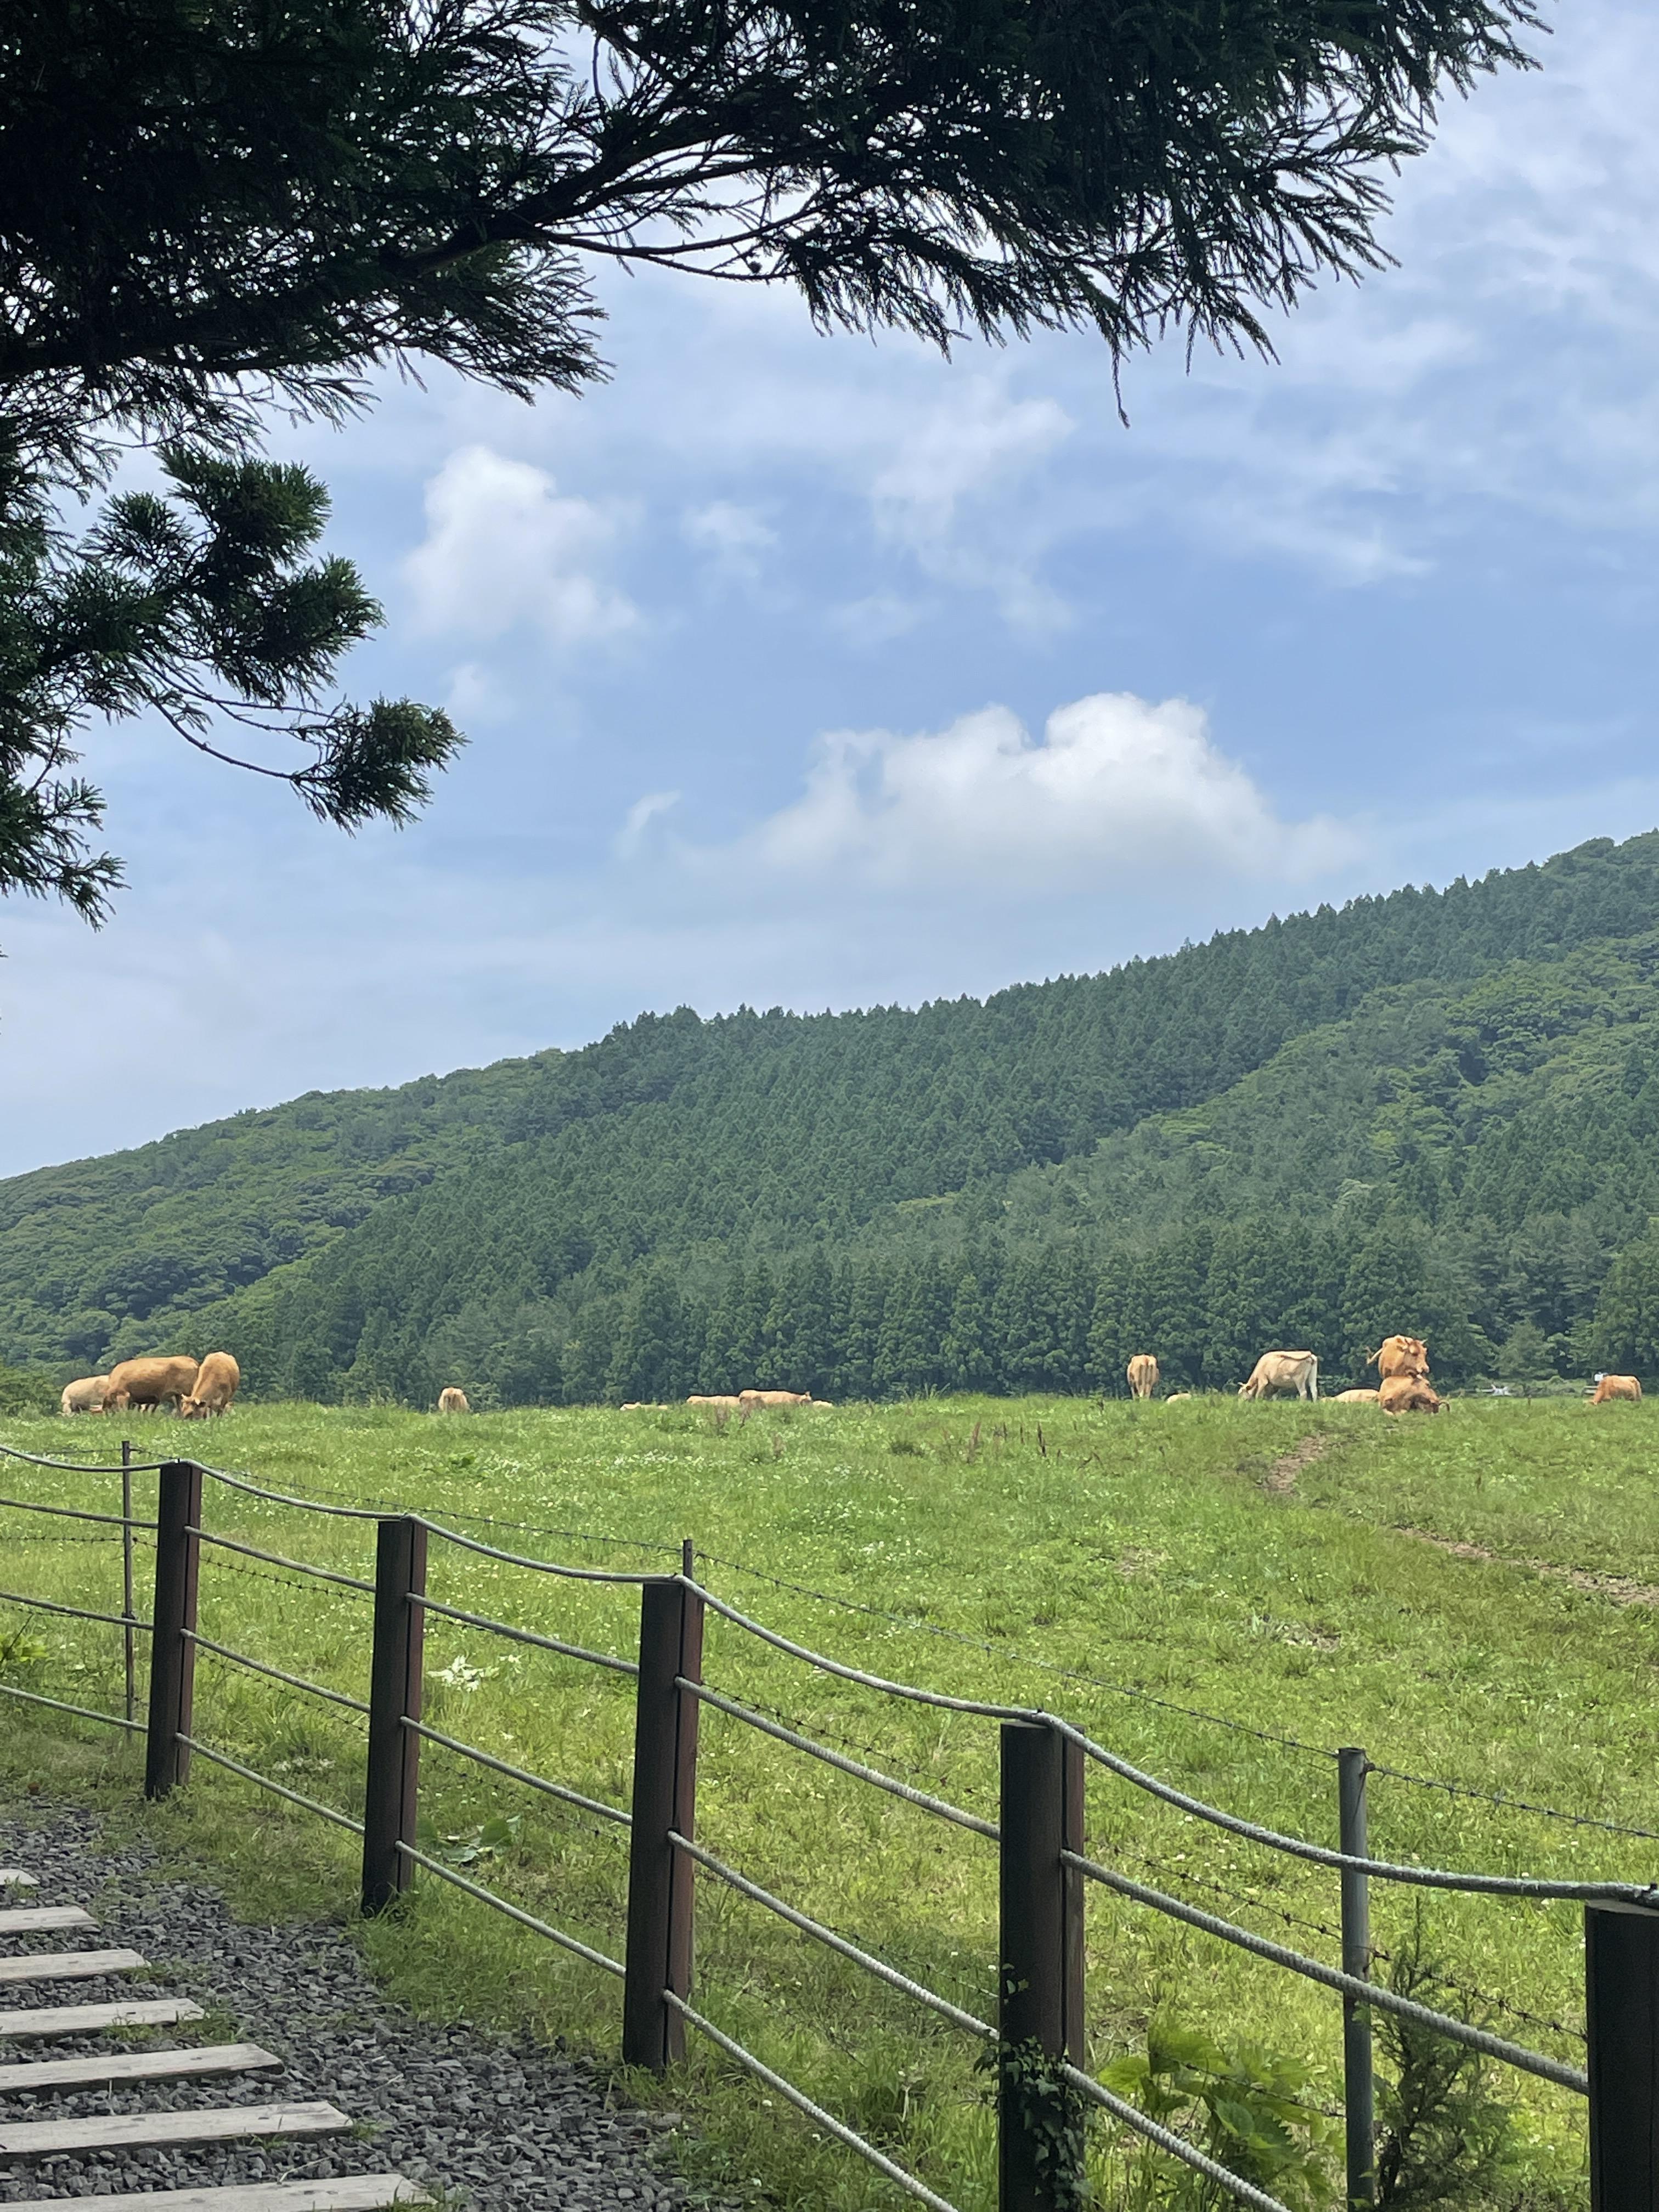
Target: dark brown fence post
(391, 1794)
(173, 1648)
(1042, 1940)
(1621, 2009)
(659, 1878)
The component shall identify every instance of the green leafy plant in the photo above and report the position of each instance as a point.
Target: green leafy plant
(1241, 2106)
(20, 1652)
(1448, 2138)
(471, 1845)
(1052, 2117)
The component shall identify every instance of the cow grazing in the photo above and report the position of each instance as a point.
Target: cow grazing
(1177, 1397)
(1399, 1355)
(1357, 1397)
(142, 1384)
(218, 1382)
(86, 1396)
(1617, 1386)
(1295, 1374)
(775, 1397)
(727, 1401)
(1143, 1375)
(1408, 1394)
(452, 1401)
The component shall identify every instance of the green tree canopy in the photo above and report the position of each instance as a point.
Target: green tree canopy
(215, 207)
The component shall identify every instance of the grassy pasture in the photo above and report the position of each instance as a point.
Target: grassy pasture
(1268, 1565)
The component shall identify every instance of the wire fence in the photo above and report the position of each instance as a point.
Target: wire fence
(665, 1853)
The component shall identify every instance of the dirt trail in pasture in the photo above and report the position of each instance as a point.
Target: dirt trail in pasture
(1618, 1589)
(1281, 1475)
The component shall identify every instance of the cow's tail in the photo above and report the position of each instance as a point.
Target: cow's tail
(1313, 1379)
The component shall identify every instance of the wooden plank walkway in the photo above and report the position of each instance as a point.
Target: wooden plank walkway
(68, 1965)
(92, 2132)
(40, 1919)
(166, 2131)
(356, 2192)
(28, 2076)
(38, 2022)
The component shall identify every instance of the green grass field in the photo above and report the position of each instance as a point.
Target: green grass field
(1270, 1565)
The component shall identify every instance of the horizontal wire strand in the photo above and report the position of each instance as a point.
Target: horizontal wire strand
(1369, 1993)
(803, 2103)
(75, 1612)
(941, 1806)
(514, 1913)
(78, 1513)
(277, 1559)
(526, 1635)
(1167, 2140)
(278, 1788)
(559, 1789)
(58, 1705)
(277, 1675)
(831, 1939)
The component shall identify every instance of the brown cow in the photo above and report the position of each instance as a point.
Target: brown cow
(1408, 1394)
(1296, 1372)
(86, 1396)
(217, 1384)
(452, 1401)
(141, 1383)
(1357, 1397)
(1399, 1355)
(1617, 1386)
(1143, 1375)
(727, 1401)
(775, 1397)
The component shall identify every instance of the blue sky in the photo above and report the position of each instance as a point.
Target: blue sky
(817, 671)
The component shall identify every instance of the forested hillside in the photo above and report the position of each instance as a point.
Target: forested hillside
(1436, 1109)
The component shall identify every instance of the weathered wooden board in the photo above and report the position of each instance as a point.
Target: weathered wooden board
(87, 2020)
(166, 2131)
(68, 1965)
(36, 1919)
(28, 2075)
(357, 2192)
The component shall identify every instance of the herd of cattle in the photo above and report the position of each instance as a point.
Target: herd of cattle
(1401, 1364)
(1402, 1375)
(197, 1390)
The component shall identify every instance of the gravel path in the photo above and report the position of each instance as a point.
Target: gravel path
(493, 2124)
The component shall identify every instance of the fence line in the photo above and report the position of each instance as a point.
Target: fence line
(526, 1636)
(559, 1789)
(1039, 1838)
(928, 1803)
(1351, 1986)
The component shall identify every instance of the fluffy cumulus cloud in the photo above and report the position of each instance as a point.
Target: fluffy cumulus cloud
(1115, 788)
(504, 549)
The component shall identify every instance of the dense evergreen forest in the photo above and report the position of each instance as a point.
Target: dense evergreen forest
(1437, 1111)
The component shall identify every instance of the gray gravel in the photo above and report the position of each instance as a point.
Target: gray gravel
(494, 2123)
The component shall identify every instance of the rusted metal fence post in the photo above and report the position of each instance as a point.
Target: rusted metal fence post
(172, 1647)
(391, 1794)
(1041, 1941)
(1621, 2010)
(1360, 2093)
(659, 1878)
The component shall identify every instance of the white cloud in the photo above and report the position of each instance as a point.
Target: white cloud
(640, 816)
(733, 538)
(502, 548)
(1117, 788)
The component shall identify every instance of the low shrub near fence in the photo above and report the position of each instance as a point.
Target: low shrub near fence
(1033, 1845)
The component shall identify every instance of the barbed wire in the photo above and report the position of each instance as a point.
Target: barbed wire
(1023, 1658)
(1508, 1804)
(222, 1565)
